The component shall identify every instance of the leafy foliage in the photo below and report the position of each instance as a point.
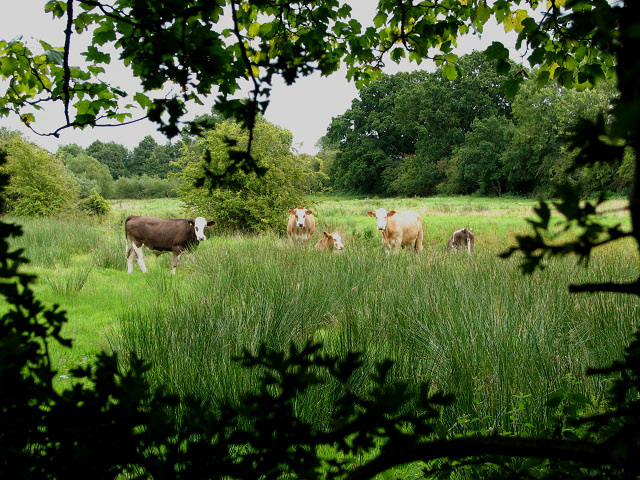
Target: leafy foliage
(418, 134)
(39, 184)
(89, 172)
(144, 187)
(253, 203)
(200, 45)
(111, 154)
(95, 204)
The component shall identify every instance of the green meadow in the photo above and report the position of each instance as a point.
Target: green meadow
(472, 325)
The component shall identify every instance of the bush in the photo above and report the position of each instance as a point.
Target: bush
(39, 185)
(144, 187)
(95, 205)
(251, 202)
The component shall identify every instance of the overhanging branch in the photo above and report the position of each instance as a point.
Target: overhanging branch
(610, 287)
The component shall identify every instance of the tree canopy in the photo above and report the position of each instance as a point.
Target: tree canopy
(209, 47)
(420, 134)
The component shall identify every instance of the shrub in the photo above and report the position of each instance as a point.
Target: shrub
(144, 187)
(88, 170)
(94, 204)
(39, 184)
(251, 202)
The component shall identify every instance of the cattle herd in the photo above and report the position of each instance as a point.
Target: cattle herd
(162, 235)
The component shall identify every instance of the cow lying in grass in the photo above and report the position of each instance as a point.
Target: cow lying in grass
(161, 235)
(330, 241)
(399, 228)
(462, 238)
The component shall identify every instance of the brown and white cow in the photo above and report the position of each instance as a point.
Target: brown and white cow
(330, 241)
(399, 228)
(462, 238)
(301, 224)
(161, 235)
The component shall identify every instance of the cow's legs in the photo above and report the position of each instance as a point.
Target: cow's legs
(130, 254)
(140, 256)
(174, 262)
(419, 241)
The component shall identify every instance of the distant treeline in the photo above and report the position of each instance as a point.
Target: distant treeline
(409, 134)
(115, 172)
(422, 134)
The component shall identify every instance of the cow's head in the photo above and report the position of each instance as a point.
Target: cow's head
(199, 224)
(334, 240)
(381, 215)
(300, 213)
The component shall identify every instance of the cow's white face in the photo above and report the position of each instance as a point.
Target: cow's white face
(199, 224)
(337, 241)
(381, 216)
(300, 214)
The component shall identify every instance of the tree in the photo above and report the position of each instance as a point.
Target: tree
(393, 137)
(368, 137)
(250, 202)
(539, 155)
(480, 160)
(141, 158)
(113, 155)
(39, 184)
(90, 173)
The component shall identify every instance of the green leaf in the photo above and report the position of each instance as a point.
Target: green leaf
(543, 78)
(397, 54)
(503, 67)
(8, 65)
(510, 87)
(254, 29)
(55, 56)
(379, 19)
(554, 399)
(265, 29)
(497, 51)
(450, 71)
(57, 8)
(142, 100)
(483, 12)
(96, 56)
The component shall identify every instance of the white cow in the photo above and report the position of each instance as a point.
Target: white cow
(301, 224)
(399, 228)
(330, 241)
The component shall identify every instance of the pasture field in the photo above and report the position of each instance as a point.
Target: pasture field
(471, 325)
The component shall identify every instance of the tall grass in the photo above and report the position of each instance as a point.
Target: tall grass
(473, 326)
(69, 281)
(50, 242)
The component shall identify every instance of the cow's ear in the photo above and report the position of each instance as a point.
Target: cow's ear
(309, 212)
(371, 214)
(191, 224)
(211, 222)
(326, 234)
(391, 213)
(291, 211)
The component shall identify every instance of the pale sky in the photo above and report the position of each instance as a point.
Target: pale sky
(305, 108)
